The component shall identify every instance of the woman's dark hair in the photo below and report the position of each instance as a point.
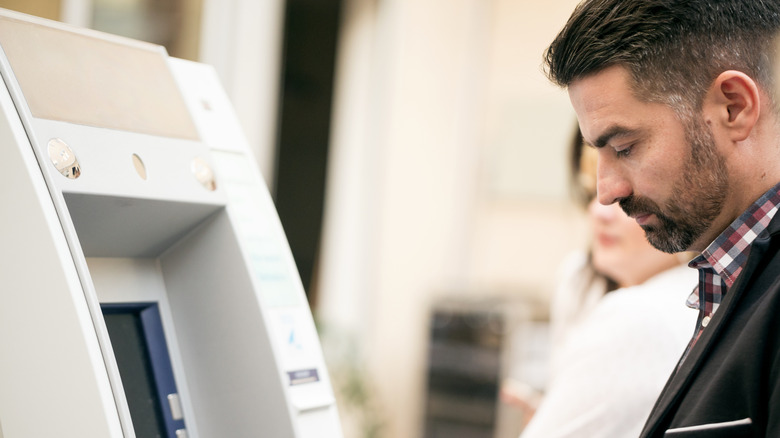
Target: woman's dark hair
(581, 194)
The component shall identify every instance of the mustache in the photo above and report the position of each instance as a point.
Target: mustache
(633, 205)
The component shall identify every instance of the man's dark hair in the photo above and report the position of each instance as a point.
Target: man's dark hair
(673, 49)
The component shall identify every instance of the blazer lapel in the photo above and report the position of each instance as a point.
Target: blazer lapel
(679, 382)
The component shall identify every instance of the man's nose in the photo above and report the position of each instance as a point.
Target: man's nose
(611, 184)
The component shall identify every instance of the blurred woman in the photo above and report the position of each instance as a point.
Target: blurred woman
(619, 324)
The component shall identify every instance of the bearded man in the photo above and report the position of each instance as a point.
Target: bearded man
(678, 98)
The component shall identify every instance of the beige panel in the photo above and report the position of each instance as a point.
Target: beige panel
(80, 79)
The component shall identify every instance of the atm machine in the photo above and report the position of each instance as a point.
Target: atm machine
(148, 289)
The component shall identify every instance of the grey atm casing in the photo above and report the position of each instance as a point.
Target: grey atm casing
(137, 225)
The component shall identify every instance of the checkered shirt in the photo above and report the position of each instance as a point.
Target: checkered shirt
(721, 263)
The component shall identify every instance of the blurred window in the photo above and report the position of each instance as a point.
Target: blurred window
(174, 24)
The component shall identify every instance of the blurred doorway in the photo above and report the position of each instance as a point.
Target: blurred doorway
(311, 28)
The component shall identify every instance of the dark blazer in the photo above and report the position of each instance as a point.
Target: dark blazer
(729, 385)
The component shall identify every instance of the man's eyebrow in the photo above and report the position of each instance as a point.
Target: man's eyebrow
(612, 133)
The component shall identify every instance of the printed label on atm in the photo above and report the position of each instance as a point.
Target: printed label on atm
(303, 376)
(262, 236)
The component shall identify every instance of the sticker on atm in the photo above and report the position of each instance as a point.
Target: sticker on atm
(301, 377)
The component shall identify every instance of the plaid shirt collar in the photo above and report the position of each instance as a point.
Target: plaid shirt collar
(721, 263)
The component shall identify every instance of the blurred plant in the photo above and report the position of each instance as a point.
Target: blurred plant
(361, 412)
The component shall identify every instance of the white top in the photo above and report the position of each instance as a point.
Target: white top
(611, 358)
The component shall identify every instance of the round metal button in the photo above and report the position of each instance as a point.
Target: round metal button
(63, 158)
(203, 173)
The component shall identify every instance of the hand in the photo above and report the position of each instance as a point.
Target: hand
(521, 396)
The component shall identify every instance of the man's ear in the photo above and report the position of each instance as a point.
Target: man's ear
(733, 104)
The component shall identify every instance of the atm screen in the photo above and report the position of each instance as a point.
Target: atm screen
(144, 365)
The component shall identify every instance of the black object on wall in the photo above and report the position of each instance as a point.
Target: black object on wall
(464, 368)
(311, 29)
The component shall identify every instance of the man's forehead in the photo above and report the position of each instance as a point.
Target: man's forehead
(606, 105)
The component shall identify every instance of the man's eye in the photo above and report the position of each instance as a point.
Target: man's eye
(623, 153)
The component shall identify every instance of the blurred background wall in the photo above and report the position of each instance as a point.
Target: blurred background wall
(416, 153)
(447, 175)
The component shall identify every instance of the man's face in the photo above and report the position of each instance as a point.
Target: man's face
(666, 174)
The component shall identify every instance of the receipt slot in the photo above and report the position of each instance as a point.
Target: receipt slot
(148, 287)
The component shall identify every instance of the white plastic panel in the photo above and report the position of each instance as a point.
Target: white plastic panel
(261, 233)
(318, 423)
(287, 317)
(107, 167)
(50, 361)
(231, 369)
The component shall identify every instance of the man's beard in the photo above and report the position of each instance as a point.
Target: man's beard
(697, 196)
